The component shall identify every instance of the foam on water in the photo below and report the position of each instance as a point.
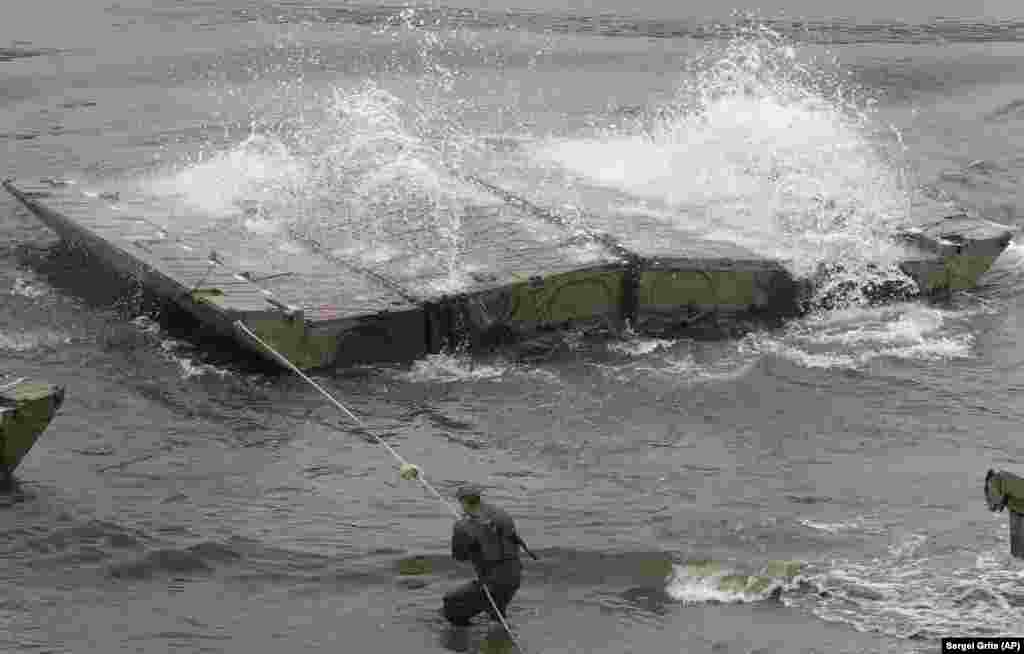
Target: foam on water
(459, 367)
(704, 589)
(145, 324)
(639, 346)
(673, 362)
(30, 288)
(26, 341)
(687, 369)
(860, 524)
(191, 368)
(704, 582)
(915, 587)
(850, 338)
(913, 590)
(179, 352)
(453, 368)
(829, 527)
(854, 337)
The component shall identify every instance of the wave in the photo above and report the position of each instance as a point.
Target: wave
(32, 340)
(92, 533)
(448, 368)
(640, 345)
(832, 30)
(160, 561)
(850, 338)
(916, 591)
(1011, 109)
(187, 356)
(756, 148)
(853, 338)
(30, 288)
(10, 54)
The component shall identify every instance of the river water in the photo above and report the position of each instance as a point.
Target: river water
(186, 501)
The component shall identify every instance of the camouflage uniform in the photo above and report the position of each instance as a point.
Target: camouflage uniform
(491, 543)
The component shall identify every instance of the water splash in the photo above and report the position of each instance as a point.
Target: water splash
(352, 167)
(681, 362)
(698, 582)
(917, 590)
(181, 353)
(362, 179)
(146, 325)
(850, 338)
(30, 288)
(854, 337)
(764, 148)
(859, 524)
(453, 368)
(639, 345)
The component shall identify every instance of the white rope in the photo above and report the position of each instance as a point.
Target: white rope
(291, 366)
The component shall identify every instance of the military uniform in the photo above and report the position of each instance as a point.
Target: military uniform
(491, 543)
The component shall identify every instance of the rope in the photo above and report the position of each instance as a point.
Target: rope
(330, 398)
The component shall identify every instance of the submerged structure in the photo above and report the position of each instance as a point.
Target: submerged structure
(1006, 490)
(525, 270)
(26, 409)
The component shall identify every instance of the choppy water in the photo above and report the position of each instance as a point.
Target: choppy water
(185, 502)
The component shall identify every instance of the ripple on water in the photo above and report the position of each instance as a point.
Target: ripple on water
(453, 368)
(678, 362)
(26, 341)
(182, 353)
(30, 288)
(853, 338)
(913, 591)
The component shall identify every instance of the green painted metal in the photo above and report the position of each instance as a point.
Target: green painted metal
(26, 409)
(787, 570)
(953, 272)
(213, 296)
(414, 565)
(703, 568)
(350, 315)
(963, 271)
(288, 334)
(292, 338)
(705, 288)
(575, 296)
(720, 576)
(657, 568)
(1012, 487)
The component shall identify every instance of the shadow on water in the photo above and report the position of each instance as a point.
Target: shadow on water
(12, 492)
(75, 272)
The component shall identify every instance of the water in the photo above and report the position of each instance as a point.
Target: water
(185, 502)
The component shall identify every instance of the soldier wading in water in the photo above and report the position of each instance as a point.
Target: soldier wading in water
(487, 537)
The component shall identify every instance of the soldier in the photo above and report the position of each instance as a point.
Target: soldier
(487, 537)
